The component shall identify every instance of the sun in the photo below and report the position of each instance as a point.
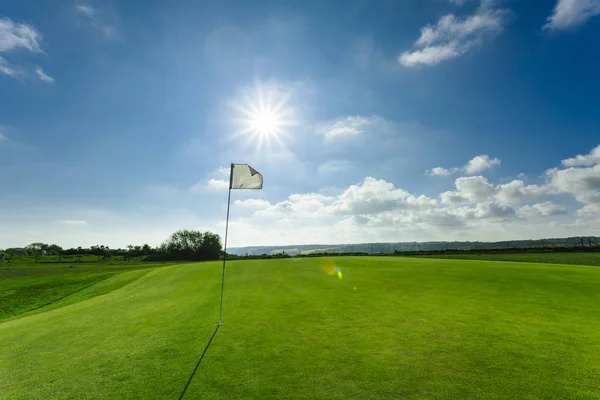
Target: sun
(265, 122)
(264, 116)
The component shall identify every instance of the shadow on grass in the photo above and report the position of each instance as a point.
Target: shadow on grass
(198, 364)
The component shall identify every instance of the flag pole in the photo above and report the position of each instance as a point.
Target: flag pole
(225, 251)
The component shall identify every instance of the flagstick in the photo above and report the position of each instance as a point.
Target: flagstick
(225, 251)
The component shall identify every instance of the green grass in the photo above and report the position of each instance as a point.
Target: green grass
(27, 288)
(551, 257)
(391, 328)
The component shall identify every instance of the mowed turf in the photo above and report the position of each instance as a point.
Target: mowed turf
(390, 328)
(576, 258)
(27, 288)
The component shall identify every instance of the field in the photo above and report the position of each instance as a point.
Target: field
(391, 327)
(27, 288)
(575, 258)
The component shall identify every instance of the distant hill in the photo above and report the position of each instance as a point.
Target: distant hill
(376, 248)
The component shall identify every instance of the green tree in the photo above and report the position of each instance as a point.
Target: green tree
(38, 247)
(54, 249)
(100, 251)
(137, 251)
(192, 245)
(211, 246)
(146, 250)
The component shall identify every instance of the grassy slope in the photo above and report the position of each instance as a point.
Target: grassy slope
(552, 258)
(104, 286)
(27, 288)
(139, 341)
(23, 290)
(391, 328)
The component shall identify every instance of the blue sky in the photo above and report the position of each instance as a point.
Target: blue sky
(413, 120)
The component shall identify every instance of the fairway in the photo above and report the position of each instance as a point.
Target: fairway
(573, 258)
(392, 327)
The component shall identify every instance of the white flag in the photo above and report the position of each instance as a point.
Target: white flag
(244, 176)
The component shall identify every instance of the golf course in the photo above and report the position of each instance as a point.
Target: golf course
(335, 328)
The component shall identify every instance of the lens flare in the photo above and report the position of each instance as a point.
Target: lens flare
(331, 269)
(328, 267)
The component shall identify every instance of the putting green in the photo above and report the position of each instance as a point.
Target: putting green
(391, 328)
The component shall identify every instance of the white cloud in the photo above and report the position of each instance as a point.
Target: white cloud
(592, 158)
(516, 191)
(589, 210)
(345, 127)
(545, 209)
(43, 76)
(375, 196)
(375, 210)
(72, 222)
(572, 13)
(476, 165)
(581, 180)
(581, 183)
(432, 55)
(470, 189)
(480, 163)
(491, 210)
(439, 171)
(14, 35)
(6, 68)
(305, 209)
(223, 172)
(252, 204)
(2, 137)
(450, 28)
(372, 202)
(99, 19)
(367, 131)
(219, 180)
(218, 184)
(452, 36)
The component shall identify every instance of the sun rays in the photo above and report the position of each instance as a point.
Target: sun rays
(264, 116)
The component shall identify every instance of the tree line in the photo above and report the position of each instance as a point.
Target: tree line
(183, 245)
(393, 247)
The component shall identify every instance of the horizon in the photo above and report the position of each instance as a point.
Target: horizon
(374, 122)
(234, 248)
(432, 241)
